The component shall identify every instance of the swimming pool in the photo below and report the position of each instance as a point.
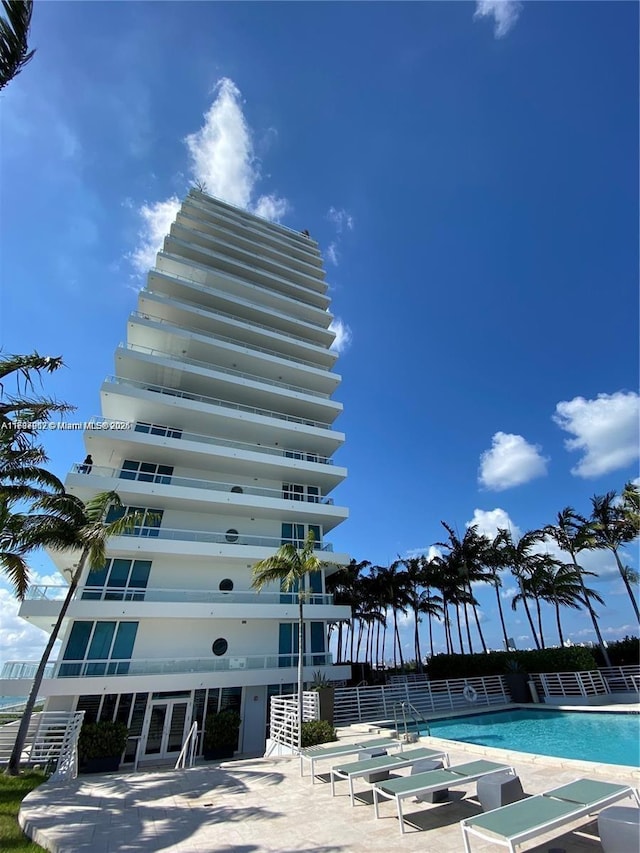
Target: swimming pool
(605, 737)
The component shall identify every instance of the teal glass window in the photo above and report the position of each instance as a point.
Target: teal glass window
(78, 640)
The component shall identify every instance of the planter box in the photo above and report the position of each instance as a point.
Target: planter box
(518, 686)
(219, 753)
(326, 700)
(106, 764)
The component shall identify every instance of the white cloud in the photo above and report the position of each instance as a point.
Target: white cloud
(332, 253)
(222, 157)
(271, 207)
(341, 219)
(505, 13)
(511, 461)
(343, 335)
(605, 430)
(156, 221)
(19, 640)
(490, 521)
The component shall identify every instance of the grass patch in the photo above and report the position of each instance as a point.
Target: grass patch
(13, 789)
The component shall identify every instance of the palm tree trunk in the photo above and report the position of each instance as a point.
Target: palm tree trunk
(13, 767)
(459, 629)
(416, 639)
(466, 623)
(502, 622)
(592, 613)
(560, 637)
(625, 580)
(528, 612)
(477, 621)
(540, 621)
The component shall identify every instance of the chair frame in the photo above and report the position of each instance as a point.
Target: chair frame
(356, 769)
(580, 810)
(429, 782)
(323, 753)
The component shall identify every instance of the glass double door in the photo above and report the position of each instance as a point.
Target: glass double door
(166, 726)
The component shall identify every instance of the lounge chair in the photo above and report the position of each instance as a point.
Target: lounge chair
(366, 748)
(518, 822)
(431, 781)
(377, 769)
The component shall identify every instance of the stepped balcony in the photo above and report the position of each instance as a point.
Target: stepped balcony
(295, 503)
(145, 328)
(250, 317)
(213, 285)
(231, 371)
(291, 241)
(250, 254)
(160, 444)
(42, 604)
(225, 384)
(185, 247)
(249, 326)
(216, 401)
(219, 228)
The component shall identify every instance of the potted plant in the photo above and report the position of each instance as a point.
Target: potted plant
(325, 690)
(221, 734)
(100, 746)
(517, 679)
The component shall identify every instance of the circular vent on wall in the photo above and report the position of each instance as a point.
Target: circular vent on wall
(231, 535)
(225, 585)
(219, 646)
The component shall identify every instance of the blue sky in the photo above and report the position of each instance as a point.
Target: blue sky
(470, 171)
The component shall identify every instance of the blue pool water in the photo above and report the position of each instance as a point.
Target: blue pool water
(589, 736)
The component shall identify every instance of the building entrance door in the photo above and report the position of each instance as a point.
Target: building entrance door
(165, 726)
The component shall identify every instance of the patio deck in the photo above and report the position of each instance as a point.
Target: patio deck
(259, 805)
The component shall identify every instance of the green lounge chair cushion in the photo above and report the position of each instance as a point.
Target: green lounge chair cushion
(523, 816)
(436, 779)
(337, 749)
(585, 791)
(385, 761)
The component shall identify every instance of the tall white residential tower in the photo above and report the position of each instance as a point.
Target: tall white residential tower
(226, 381)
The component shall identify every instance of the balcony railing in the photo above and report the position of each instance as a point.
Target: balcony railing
(226, 339)
(53, 592)
(207, 485)
(253, 377)
(230, 537)
(163, 666)
(209, 291)
(215, 401)
(170, 432)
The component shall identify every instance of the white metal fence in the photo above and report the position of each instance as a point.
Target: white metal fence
(375, 703)
(283, 718)
(597, 682)
(52, 740)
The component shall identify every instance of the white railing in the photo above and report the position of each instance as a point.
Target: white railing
(283, 718)
(15, 669)
(41, 592)
(165, 666)
(164, 431)
(589, 683)
(622, 679)
(208, 365)
(187, 757)
(215, 401)
(376, 703)
(216, 336)
(52, 740)
(196, 284)
(207, 485)
(226, 538)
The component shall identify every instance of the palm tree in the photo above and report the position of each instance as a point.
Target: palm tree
(467, 558)
(563, 585)
(289, 567)
(419, 600)
(496, 559)
(14, 35)
(522, 561)
(393, 584)
(615, 524)
(572, 533)
(430, 575)
(343, 585)
(22, 476)
(66, 523)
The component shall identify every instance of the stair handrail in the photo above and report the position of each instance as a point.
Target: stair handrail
(187, 755)
(407, 709)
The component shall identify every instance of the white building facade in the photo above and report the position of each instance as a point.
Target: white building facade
(225, 388)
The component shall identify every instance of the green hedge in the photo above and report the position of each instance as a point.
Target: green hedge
(573, 659)
(317, 731)
(621, 653)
